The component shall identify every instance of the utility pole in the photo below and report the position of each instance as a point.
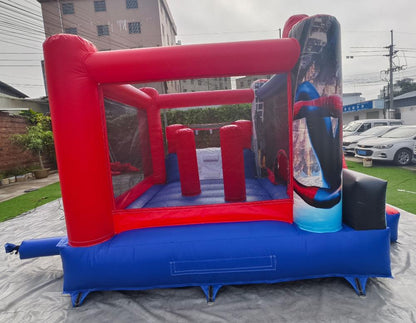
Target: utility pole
(391, 54)
(58, 3)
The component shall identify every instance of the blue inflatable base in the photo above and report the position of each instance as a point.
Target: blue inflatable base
(213, 255)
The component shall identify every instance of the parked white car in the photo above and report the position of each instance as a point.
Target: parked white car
(396, 145)
(358, 126)
(350, 142)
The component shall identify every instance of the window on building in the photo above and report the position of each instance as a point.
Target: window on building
(68, 8)
(132, 4)
(134, 27)
(99, 6)
(71, 30)
(199, 82)
(103, 30)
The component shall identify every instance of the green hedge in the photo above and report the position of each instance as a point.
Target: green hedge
(225, 113)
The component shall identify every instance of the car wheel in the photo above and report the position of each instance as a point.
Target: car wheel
(403, 157)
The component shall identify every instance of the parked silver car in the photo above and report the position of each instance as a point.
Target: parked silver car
(396, 145)
(350, 142)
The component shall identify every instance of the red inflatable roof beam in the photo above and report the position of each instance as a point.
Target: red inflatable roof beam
(127, 94)
(187, 162)
(202, 98)
(193, 61)
(233, 163)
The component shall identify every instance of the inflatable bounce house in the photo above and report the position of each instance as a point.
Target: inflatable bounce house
(271, 204)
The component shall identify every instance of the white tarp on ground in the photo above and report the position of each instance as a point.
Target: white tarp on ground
(31, 290)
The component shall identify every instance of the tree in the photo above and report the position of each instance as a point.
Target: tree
(404, 86)
(38, 138)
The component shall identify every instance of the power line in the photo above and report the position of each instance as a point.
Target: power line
(29, 85)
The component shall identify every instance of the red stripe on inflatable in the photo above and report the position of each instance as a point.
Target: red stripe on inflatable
(277, 210)
(130, 196)
(289, 189)
(293, 20)
(391, 210)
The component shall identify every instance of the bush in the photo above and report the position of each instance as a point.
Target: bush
(39, 138)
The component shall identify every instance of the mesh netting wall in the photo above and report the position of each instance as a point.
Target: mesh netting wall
(270, 118)
(128, 143)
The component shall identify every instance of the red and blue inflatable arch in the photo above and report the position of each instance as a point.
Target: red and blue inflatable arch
(271, 204)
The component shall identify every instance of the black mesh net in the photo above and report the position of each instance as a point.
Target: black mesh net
(128, 143)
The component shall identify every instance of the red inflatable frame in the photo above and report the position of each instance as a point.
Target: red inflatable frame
(79, 77)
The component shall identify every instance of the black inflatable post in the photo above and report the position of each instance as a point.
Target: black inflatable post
(364, 201)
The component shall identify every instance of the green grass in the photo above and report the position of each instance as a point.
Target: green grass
(20, 204)
(401, 183)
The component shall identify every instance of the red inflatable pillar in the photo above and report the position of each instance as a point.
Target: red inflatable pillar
(187, 162)
(80, 139)
(246, 127)
(233, 163)
(171, 136)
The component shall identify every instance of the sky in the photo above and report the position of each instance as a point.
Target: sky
(365, 33)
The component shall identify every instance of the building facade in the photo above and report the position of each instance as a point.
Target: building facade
(405, 105)
(207, 84)
(114, 24)
(246, 81)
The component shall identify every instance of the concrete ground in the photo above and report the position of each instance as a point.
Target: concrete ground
(12, 190)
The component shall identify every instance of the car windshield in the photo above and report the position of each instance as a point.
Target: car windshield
(375, 131)
(352, 126)
(401, 132)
